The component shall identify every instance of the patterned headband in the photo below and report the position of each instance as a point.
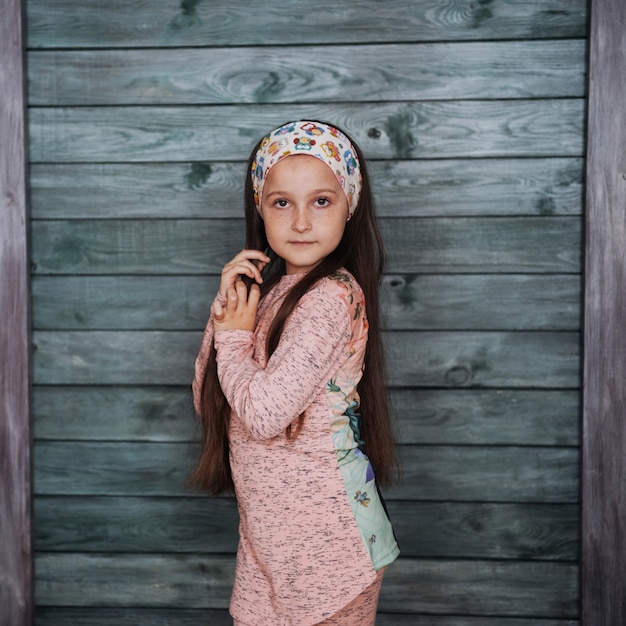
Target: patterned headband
(316, 139)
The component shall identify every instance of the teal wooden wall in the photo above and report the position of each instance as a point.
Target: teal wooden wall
(471, 113)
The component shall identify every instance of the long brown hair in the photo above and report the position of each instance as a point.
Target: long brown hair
(361, 253)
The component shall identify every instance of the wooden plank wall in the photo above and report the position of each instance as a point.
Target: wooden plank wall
(472, 116)
(16, 574)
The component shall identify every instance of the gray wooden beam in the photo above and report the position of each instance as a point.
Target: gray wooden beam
(15, 555)
(170, 23)
(604, 405)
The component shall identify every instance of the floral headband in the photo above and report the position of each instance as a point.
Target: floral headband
(325, 142)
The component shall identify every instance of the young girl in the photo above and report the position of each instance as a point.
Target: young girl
(290, 388)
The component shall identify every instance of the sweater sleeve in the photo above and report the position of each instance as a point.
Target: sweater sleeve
(268, 400)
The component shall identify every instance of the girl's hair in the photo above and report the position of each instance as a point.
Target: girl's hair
(361, 253)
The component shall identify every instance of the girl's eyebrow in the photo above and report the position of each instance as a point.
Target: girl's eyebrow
(314, 192)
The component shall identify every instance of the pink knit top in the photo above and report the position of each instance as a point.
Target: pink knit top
(313, 529)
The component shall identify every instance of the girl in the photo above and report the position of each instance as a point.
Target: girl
(290, 389)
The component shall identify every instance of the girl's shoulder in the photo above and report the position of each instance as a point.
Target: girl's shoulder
(342, 286)
(344, 282)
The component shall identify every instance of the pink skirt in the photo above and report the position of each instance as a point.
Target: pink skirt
(360, 612)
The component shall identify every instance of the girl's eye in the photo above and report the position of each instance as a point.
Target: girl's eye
(322, 202)
(281, 204)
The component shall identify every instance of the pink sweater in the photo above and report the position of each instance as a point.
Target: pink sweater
(313, 529)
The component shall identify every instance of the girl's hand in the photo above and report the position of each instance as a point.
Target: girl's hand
(248, 263)
(240, 310)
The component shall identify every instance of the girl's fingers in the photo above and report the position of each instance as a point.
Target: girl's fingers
(231, 299)
(241, 308)
(242, 293)
(259, 255)
(248, 263)
(247, 268)
(218, 311)
(249, 257)
(254, 295)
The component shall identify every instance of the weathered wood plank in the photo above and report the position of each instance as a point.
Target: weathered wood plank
(114, 413)
(477, 187)
(400, 130)
(438, 473)
(401, 188)
(122, 302)
(410, 302)
(119, 23)
(113, 468)
(209, 525)
(414, 245)
(16, 588)
(394, 619)
(429, 359)
(486, 531)
(482, 301)
(603, 580)
(52, 616)
(136, 524)
(540, 589)
(423, 416)
(472, 416)
(129, 580)
(457, 359)
(481, 588)
(441, 71)
(88, 616)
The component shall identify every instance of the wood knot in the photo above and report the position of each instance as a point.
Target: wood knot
(459, 375)
(395, 282)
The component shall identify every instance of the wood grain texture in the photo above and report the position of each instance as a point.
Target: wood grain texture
(394, 619)
(477, 587)
(471, 114)
(89, 616)
(209, 526)
(492, 359)
(423, 416)
(540, 589)
(441, 71)
(144, 525)
(471, 530)
(409, 301)
(52, 616)
(604, 404)
(438, 473)
(400, 130)
(63, 24)
(481, 301)
(131, 580)
(411, 188)
(16, 587)
(415, 359)
(414, 245)
(475, 416)
(114, 413)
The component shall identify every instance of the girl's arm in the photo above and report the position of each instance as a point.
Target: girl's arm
(247, 262)
(268, 400)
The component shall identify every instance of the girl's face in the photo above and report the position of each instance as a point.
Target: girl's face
(304, 211)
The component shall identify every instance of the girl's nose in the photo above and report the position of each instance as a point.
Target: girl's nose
(301, 220)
